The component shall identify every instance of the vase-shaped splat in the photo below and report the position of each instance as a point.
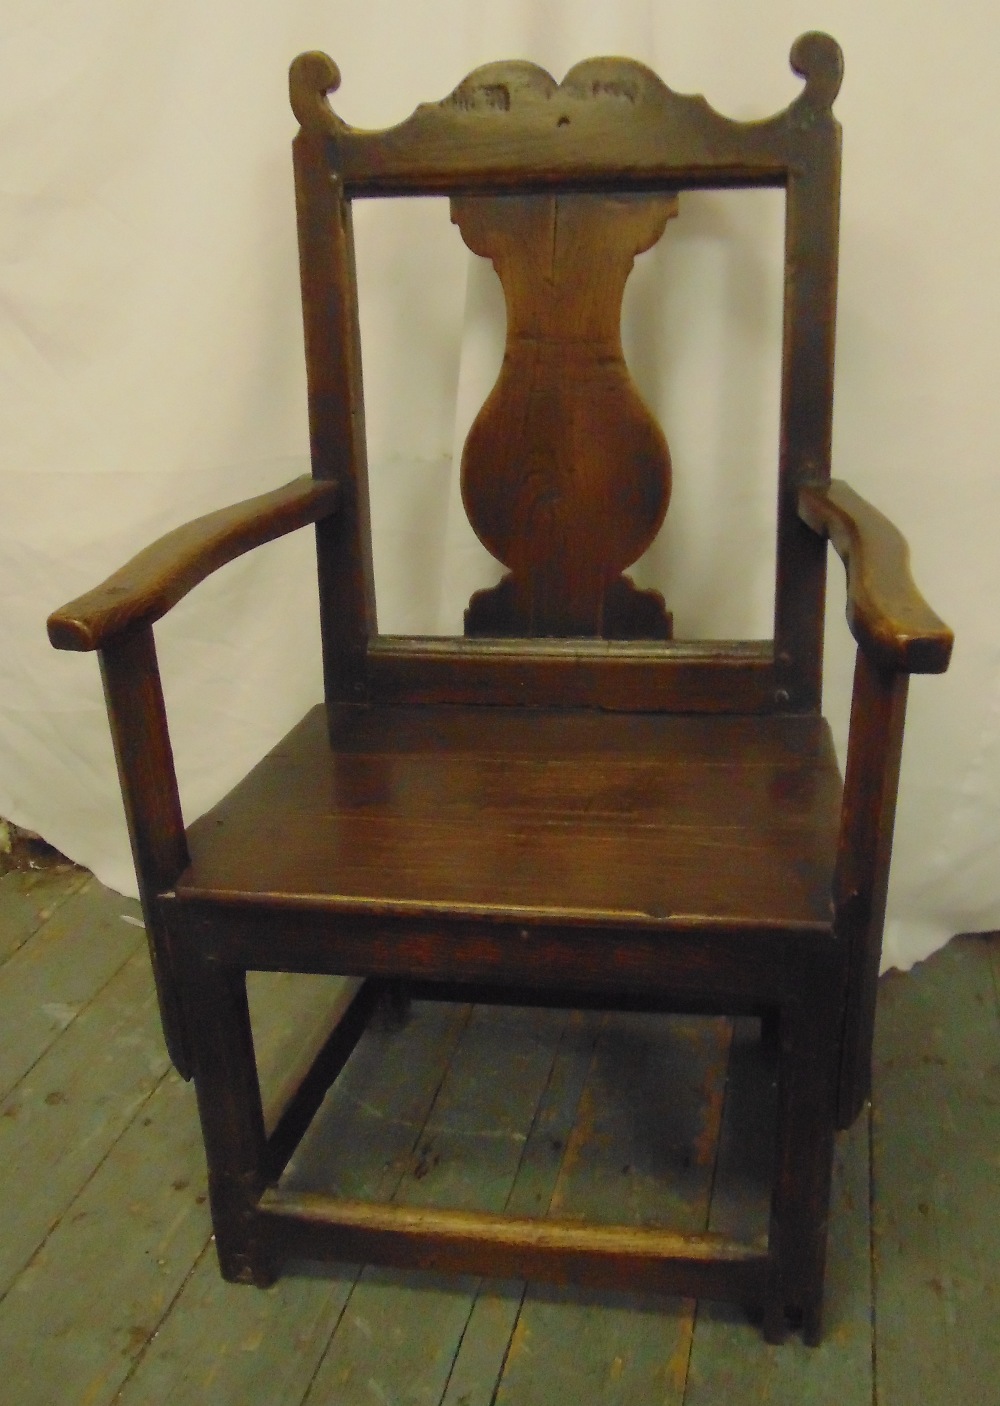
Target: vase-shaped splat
(565, 472)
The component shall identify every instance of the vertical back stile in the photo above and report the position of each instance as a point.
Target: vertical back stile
(336, 417)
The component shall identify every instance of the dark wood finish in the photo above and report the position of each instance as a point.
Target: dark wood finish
(878, 711)
(117, 619)
(804, 1156)
(336, 411)
(601, 817)
(148, 782)
(812, 219)
(565, 473)
(568, 950)
(161, 575)
(613, 125)
(717, 676)
(623, 821)
(232, 1115)
(888, 616)
(897, 634)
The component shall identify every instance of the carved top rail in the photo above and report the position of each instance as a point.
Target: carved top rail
(505, 118)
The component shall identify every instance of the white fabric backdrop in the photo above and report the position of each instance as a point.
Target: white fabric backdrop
(152, 369)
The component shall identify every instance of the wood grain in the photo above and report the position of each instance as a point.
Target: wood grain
(222, 1340)
(936, 1182)
(639, 823)
(63, 1117)
(29, 898)
(55, 975)
(864, 851)
(476, 1242)
(486, 1342)
(476, 1146)
(565, 473)
(618, 817)
(887, 614)
(727, 1362)
(610, 122)
(132, 1187)
(612, 127)
(162, 574)
(717, 676)
(935, 1127)
(337, 441)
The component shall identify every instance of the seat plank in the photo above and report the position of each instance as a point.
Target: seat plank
(607, 817)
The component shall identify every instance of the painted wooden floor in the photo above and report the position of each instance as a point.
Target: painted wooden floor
(108, 1285)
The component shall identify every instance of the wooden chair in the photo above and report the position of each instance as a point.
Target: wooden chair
(566, 806)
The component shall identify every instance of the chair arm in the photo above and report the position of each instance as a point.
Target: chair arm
(887, 615)
(161, 575)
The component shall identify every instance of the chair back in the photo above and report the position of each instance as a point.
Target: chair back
(565, 472)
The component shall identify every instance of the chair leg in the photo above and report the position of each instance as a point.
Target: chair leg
(232, 1118)
(804, 1163)
(397, 1002)
(770, 1031)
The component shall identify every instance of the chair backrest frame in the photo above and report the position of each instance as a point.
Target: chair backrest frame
(611, 126)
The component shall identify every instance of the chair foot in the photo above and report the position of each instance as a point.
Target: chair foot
(812, 1324)
(396, 1002)
(245, 1267)
(780, 1319)
(774, 1324)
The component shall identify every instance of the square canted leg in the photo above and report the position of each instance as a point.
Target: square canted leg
(803, 1170)
(232, 1118)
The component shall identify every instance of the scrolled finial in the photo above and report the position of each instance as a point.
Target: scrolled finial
(311, 76)
(818, 59)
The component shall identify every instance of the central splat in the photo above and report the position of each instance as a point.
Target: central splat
(565, 473)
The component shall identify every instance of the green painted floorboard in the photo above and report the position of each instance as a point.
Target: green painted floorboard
(936, 1160)
(49, 980)
(28, 898)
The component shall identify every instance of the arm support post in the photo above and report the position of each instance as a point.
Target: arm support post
(152, 805)
(864, 850)
(117, 620)
(897, 634)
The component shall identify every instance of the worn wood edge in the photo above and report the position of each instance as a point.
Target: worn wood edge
(345, 909)
(887, 615)
(157, 578)
(639, 1257)
(534, 1231)
(311, 77)
(630, 676)
(733, 653)
(473, 138)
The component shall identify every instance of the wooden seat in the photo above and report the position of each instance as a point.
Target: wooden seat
(568, 805)
(605, 818)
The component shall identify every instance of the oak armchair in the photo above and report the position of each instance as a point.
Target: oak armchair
(567, 805)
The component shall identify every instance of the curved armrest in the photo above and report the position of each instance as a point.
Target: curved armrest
(888, 616)
(155, 580)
